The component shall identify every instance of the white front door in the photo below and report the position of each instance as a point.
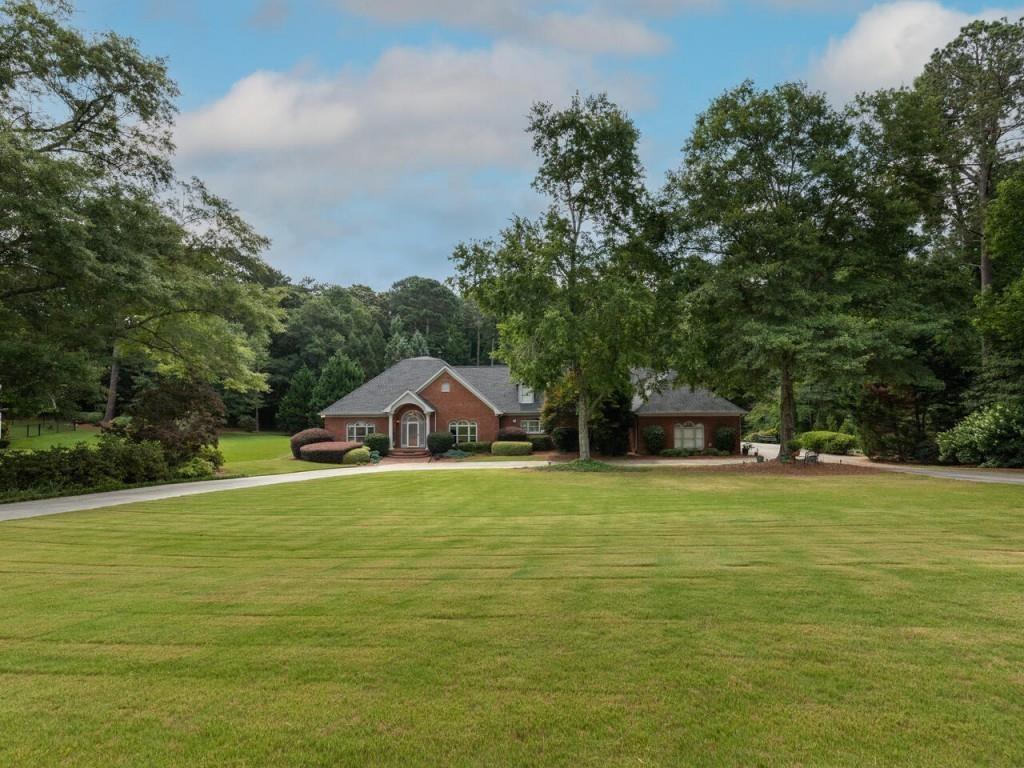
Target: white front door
(412, 430)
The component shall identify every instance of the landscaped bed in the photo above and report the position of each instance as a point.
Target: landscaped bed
(653, 617)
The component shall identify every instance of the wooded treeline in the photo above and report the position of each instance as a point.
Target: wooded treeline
(115, 275)
(855, 267)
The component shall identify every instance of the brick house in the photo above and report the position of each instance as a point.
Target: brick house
(420, 395)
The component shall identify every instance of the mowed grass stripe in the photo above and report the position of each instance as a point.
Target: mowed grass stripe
(524, 618)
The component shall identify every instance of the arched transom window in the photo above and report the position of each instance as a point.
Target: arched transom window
(464, 431)
(690, 436)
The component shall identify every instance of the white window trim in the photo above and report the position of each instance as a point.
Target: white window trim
(354, 425)
(455, 424)
(538, 431)
(524, 398)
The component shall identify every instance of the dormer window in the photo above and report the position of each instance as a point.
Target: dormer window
(525, 395)
(446, 386)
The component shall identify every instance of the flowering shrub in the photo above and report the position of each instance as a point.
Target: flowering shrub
(309, 437)
(991, 437)
(330, 453)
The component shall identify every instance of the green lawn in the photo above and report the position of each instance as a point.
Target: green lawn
(244, 453)
(522, 618)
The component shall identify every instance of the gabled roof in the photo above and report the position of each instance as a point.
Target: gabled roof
(409, 398)
(378, 393)
(493, 384)
(670, 400)
(495, 381)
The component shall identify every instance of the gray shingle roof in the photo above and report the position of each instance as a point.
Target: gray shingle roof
(380, 391)
(672, 400)
(495, 384)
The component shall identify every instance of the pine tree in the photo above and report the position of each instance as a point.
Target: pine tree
(339, 377)
(293, 414)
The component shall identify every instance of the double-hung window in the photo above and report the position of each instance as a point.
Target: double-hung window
(357, 431)
(525, 395)
(464, 431)
(531, 426)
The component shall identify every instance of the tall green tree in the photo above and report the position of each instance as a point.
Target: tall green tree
(296, 409)
(340, 376)
(571, 290)
(977, 86)
(432, 309)
(772, 220)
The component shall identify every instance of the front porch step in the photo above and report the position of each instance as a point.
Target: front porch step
(409, 453)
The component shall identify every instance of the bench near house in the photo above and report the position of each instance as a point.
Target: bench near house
(420, 395)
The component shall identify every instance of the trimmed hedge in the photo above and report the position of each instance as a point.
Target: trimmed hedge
(510, 448)
(675, 453)
(111, 463)
(439, 442)
(513, 435)
(725, 439)
(357, 456)
(566, 439)
(654, 439)
(378, 442)
(328, 453)
(309, 437)
(478, 447)
(827, 442)
(542, 442)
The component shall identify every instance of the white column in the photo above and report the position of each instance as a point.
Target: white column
(391, 430)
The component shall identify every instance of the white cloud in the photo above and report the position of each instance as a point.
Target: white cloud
(602, 28)
(889, 45)
(414, 143)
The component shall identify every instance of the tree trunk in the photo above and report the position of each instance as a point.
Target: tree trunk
(985, 266)
(478, 344)
(583, 421)
(115, 374)
(787, 413)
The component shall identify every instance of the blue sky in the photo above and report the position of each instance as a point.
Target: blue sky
(368, 137)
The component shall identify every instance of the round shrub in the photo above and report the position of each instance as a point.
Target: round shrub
(513, 435)
(247, 423)
(309, 437)
(196, 469)
(508, 448)
(991, 437)
(566, 439)
(542, 443)
(439, 442)
(654, 439)
(378, 442)
(357, 456)
(328, 453)
(725, 439)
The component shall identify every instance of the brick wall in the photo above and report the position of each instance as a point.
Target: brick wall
(668, 423)
(459, 403)
(338, 425)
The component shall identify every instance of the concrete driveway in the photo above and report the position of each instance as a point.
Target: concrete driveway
(967, 474)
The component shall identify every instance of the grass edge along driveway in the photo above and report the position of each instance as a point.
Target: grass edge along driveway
(521, 618)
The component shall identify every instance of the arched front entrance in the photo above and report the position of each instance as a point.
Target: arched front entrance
(413, 429)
